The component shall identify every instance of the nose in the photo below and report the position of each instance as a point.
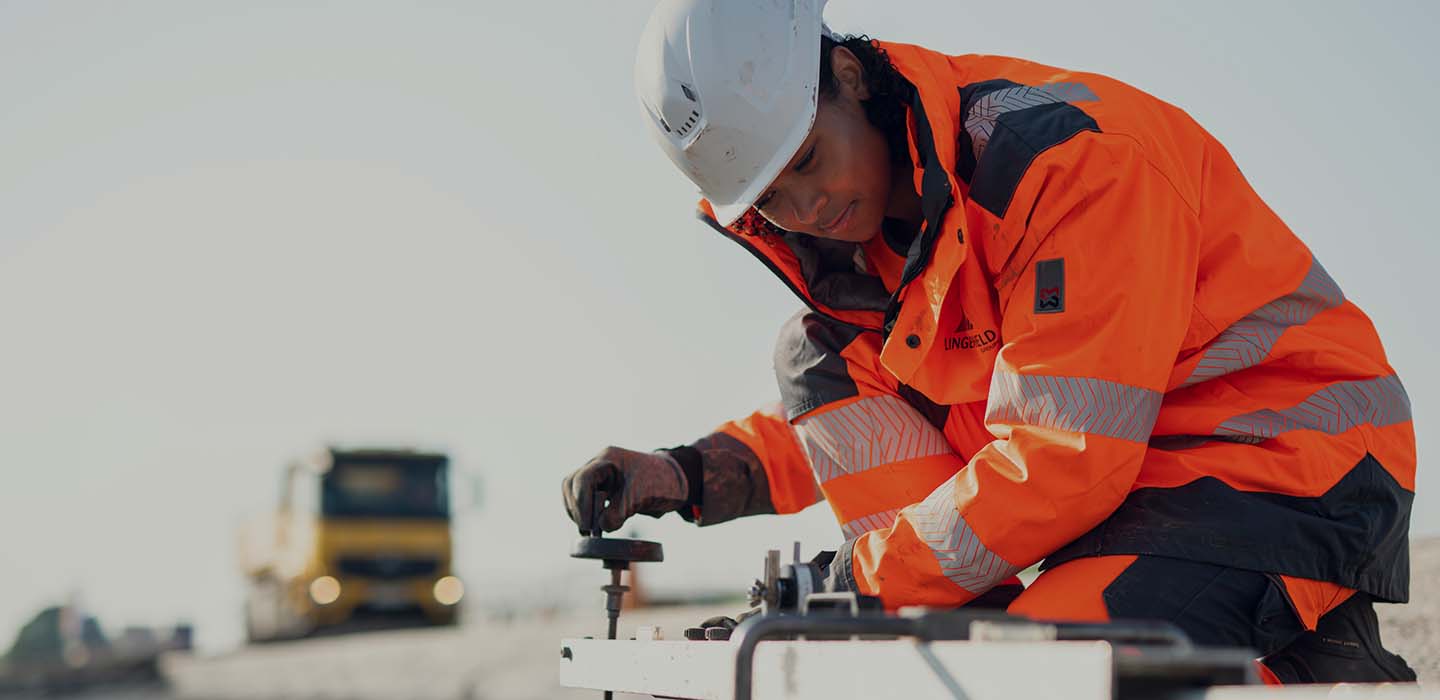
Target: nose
(809, 205)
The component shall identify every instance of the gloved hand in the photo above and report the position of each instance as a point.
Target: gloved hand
(824, 561)
(652, 483)
(718, 628)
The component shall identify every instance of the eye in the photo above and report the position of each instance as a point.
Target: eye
(805, 160)
(800, 165)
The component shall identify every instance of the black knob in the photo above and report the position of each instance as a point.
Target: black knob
(617, 549)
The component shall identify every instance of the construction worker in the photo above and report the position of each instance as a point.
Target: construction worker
(1047, 320)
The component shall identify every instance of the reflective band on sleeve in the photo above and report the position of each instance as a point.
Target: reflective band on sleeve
(1249, 341)
(866, 434)
(866, 523)
(963, 558)
(1333, 410)
(1076, 404)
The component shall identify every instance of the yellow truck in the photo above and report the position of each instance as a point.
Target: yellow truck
(358, 532)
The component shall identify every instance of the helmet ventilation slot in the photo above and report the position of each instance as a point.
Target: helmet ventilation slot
(689, 123)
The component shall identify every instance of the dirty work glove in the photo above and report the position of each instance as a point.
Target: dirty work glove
(837, 578)
(836, 568)
(620, 483)
(718, 628)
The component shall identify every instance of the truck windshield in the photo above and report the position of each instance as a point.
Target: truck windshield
(386, 489)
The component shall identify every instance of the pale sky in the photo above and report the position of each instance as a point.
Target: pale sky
(232, 232)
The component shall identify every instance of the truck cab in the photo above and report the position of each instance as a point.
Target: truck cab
(356, 532)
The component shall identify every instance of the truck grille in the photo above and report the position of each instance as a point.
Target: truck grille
(387, 567)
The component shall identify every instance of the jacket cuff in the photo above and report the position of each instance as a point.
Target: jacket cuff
(727, 480)
(692, 464)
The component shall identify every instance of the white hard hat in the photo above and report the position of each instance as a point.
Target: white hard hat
(729, 90)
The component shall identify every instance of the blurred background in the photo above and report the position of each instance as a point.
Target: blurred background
(233, 235)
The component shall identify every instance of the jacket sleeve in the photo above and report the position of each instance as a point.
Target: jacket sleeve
(1090, 331)
(749, 466)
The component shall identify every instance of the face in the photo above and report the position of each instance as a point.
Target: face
(837, 185)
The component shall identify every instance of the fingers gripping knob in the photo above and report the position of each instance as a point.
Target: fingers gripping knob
(617, 553)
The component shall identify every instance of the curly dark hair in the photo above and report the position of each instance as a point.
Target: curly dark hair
(890, 93)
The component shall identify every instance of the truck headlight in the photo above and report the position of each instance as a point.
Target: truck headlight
(325, 590)
(448, 590)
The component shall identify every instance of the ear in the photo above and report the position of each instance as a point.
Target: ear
(849, 74)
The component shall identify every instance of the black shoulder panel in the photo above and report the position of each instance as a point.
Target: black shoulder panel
(808, 366)
(1005, 126)
(965, 145)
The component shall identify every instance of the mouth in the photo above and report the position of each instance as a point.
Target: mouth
(840, 221)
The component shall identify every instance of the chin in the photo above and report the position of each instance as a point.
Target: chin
(858, 237)
(864, 232)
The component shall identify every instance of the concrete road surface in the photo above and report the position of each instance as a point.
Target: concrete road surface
(519, 660)
(516, 660)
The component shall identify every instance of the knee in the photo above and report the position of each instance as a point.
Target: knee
(1073, 591)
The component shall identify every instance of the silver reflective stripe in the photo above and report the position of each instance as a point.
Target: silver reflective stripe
(980, 120)
(963, 558)
(1249, 341)
(864, 524)
(1077, 404)
(1333, 410)
(866, 434)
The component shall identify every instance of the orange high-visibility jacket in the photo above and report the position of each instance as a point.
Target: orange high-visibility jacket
(1103, 342)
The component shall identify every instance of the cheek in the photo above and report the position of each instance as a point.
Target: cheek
(871, 172)
(864, 172)
(878, 164)
(865, 163)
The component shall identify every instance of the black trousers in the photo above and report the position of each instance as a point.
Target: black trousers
(1221, 606)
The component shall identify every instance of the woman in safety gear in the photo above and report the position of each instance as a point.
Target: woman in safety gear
(1047, 320)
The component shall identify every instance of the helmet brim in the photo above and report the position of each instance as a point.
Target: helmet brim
(727, 213)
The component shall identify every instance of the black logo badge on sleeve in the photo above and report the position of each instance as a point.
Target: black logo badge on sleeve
(1050, 286)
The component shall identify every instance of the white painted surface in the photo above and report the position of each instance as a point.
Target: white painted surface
(835, 670)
